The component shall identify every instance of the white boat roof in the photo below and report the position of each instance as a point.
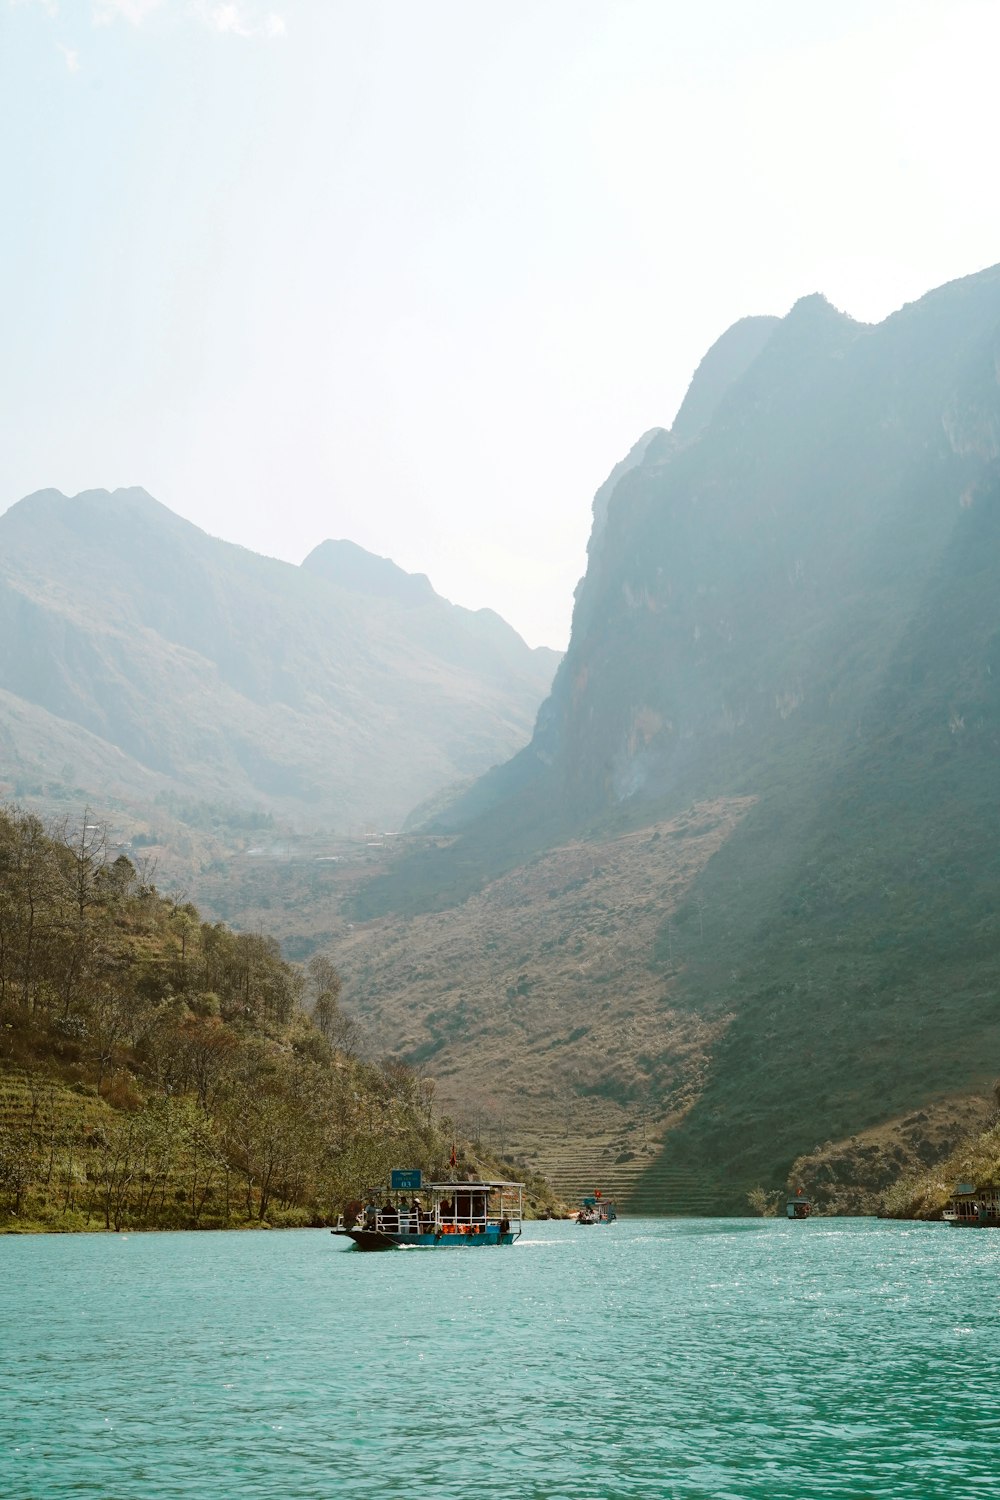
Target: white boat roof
(465, 1187)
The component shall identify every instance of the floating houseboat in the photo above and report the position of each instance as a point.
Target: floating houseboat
(973, 1207)
(411, 1214)
(799, 1207)
(596, 1210)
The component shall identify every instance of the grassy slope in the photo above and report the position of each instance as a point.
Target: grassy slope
(538, 1008)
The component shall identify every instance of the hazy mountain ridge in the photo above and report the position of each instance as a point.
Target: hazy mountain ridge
(238, 675)
(479, 639)
(799, 602)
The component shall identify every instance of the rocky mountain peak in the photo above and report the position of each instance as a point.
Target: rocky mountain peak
(350, 567)
(726, 362)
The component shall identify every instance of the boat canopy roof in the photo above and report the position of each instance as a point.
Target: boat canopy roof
(491, 1185)
(464, 1187)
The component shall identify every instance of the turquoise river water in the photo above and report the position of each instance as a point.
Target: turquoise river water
(731, 1359)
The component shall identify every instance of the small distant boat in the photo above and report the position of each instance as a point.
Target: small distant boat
(799, 1207)
(971, 1207)
(596, 1210)
(410, 1214)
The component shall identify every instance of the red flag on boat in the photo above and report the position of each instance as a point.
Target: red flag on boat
(453, 1159)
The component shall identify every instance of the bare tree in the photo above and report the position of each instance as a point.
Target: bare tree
(339, 1030)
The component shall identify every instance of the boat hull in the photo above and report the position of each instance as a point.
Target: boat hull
(377, 1239)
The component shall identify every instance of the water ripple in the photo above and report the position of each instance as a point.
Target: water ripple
(678, 1359)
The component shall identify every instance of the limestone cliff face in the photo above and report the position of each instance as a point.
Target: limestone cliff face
(971, 418)
(750, 571)
(633, 458)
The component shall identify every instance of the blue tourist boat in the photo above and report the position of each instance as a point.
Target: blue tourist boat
(596, 1210)
(414, 1215)
(799, 1207)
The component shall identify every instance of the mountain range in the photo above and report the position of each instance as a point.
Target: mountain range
(731, 907)
(141, 659)
(785, 668)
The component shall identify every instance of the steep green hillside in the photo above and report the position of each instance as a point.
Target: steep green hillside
(160, 1071)
(876, 1168)
(863, 975)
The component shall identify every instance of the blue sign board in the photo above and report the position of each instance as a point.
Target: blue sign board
(405, 1182)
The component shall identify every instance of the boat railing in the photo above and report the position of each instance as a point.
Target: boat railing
(444, 1215)
(403, 1221)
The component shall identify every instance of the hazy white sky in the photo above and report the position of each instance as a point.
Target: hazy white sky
(418, 273)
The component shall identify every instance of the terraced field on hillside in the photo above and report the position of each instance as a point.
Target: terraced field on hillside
(50, 1130)
(576, 1169)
